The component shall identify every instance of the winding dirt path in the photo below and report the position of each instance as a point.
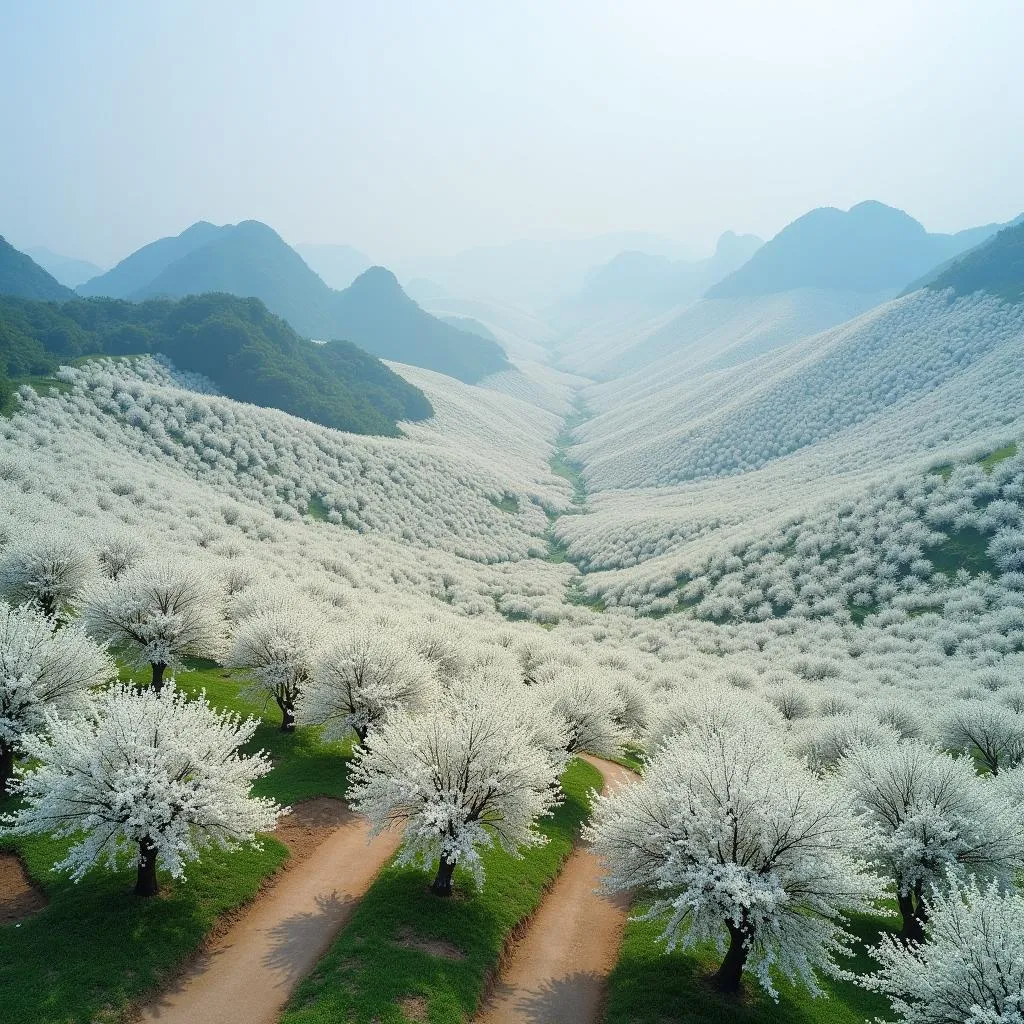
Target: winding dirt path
(556, 974)
(246, 975)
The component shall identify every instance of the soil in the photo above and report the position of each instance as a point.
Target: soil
(557, 971)
(249, 970)
(19, 898)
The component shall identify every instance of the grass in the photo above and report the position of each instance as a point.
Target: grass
(509, 503)
(369, 971)
(999, 455)
(40, 384)
(96, 949)
(316, 509)
(650, 986)
(964, 549)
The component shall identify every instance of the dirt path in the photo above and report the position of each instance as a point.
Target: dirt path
(248, 973)
(557, 973)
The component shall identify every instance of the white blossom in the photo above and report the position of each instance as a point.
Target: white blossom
(151, 777)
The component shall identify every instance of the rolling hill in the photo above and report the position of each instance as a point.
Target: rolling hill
(996, 267)
(20, 275)
(250, 354)
(338, 265)
(251, 259)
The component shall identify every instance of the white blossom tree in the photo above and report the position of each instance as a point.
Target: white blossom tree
(741, 846)
(158, 614)
(970, 966)
(279, 646)
(151, 777)
(585, 700)
(989, 731)
(459, 778)
(931, 818)
(359, 677)
(45, 568)
(41, 670)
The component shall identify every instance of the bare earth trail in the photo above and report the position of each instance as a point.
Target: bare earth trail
(247, 974)
(557, 972)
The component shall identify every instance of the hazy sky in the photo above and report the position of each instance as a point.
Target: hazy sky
(414, 128)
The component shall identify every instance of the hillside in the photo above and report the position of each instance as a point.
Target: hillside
(138, 269)
(250, 354)
(380, 317)
(869, 248)
(251, 259)
(20, 275)
(996, 267)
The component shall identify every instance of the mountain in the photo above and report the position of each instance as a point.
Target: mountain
(251, 259)
(869, 248)
(69, 271)
(532, 274)
(142, 266)
(20, 275)
(250, 354)
(996, 267)
(658, 281)
(338, 265)
(245, 259)
(376, 314)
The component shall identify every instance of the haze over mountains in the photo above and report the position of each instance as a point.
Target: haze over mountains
(251, 259)
(21, 275)
(68, 270)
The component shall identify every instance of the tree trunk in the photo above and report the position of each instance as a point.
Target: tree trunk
(913, 914)
(48, 607)
(158, 675)
(6, 767)
(361, 731)
(287, 716)
(729, 976)
(146, 884)
(443, 882)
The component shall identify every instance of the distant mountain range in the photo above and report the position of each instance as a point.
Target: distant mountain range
(251, 259)
(659, 282)
(869, 248)
(69, 271)
(20, 275)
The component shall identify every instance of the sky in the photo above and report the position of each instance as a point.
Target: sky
(412, 129)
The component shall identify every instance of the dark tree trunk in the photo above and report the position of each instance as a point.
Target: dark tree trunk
(48, 607)
(287, 716)
(158, 675)
(443, 882)
(729, 977)
(913, 913)
(6, 767)
(361, 731)
(146, 884)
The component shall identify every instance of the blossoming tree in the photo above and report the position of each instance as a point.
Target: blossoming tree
(361, 676)
(970, 966)
(459, 779)
(41, 670)
(158, 614)
(45, 568)
(152, 777)
(743, 847)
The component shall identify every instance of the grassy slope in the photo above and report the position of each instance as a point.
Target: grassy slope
(96, 949)
(368, 971)
(650, 986)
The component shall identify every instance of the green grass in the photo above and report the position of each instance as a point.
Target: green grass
(41, 385)
(994, 458)
(509, 503)
(650, 986)
(368, 970)
(316, 509)
(964, 549)
(96, 949)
